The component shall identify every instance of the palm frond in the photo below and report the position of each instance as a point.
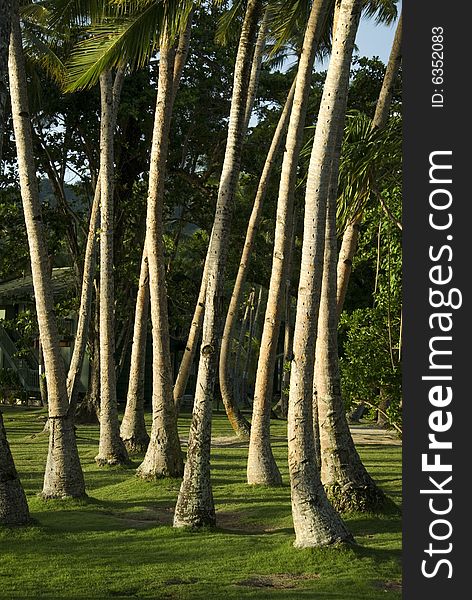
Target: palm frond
(384, 11)
(130, 37)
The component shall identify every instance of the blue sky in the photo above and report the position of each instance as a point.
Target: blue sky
(375, 40)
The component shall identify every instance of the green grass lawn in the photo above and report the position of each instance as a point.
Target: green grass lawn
(119, 543)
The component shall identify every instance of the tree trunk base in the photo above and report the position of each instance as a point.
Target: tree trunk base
(87, 413)
(363, 497)
(63, 477)
(115, 458)
(13, 505)
(193, 510)
(262, 469)
(157, 464)
(240, 425)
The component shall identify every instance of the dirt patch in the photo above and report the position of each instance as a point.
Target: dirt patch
(389, 586)
(147, 517)
(279, 581)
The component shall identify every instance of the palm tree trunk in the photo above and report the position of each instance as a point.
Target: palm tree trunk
(111, 450)
(5, 22)
(316, 522)
(133, 427)
(239, 424)
(63, 476)
(351, 234)
(163, 456)
(192, 343)
(261, 467)
(195, 505)
(13, 505)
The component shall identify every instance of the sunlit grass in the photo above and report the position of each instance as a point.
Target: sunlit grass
(119, 542)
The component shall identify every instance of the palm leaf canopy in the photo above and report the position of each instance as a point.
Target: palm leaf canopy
(128, 33)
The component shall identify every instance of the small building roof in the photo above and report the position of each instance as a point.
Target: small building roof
(21, 289)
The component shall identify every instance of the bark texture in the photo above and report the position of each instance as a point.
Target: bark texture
(63, 475)
(262, 468)
(163, 457)
(111, 449)
(315, 520)
(13, 505)
(195, 507)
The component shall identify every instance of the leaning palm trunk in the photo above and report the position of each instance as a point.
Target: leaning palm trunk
(351, 234)
(261, 467)
(239, 424)
(195, 505)
(111, 450)
(163, 456)
(133, 427)
(63, 476)
(13, 504)
(316, 522)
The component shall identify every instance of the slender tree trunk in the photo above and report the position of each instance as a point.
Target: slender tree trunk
(83, 323)
(63, 476)
(133, 427)
(351, 234)
(191, 345)
(316, 522)
(261, 467)
(5, 22)
(256, 67)
(195, 505)
(239, 424)
(88, 411)
(13, 504)
(163, 456)
(111, 449)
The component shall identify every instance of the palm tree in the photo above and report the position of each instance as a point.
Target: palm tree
(133, 427)
(345, 478)
(316, 522)
(63, 476)
(195, 505)
(262, 468)
(163, 456)
(111, 449)
(13, 505)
